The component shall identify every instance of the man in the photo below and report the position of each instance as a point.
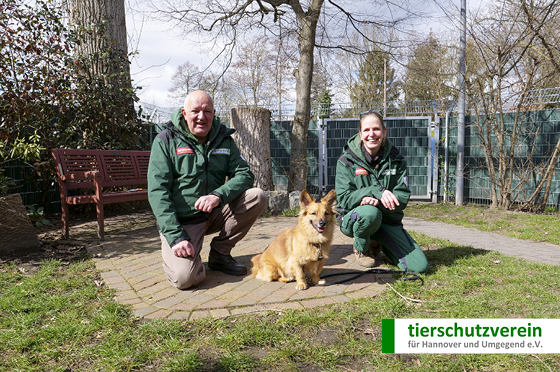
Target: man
(189, 165)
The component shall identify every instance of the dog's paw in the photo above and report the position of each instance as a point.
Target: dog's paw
(301, 286)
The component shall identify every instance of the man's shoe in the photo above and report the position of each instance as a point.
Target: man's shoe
(364, 259)
(225, 263)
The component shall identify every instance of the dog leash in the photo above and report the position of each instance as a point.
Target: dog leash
(356, 274)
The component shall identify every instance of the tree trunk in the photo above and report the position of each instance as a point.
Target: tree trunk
(87, 16)
(17, 234)
(253, 139)
(101, 29)
(297, 177)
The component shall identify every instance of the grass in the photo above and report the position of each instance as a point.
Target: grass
(59, 319)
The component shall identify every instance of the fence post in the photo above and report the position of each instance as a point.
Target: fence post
(322, 134)
(434, 155)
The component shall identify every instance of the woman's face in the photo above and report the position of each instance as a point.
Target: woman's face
(372, 134)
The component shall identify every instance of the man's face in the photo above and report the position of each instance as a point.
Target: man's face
(199, 113)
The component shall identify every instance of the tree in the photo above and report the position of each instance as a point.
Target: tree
(253, 138)
(512, 46)
(186, 79)
(325, 102)
(375, 80)
(537, 17)
(429, 71)
(101, 55)
(226, 20)
(251, 78)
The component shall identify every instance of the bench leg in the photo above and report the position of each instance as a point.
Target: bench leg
(100, 221)
(65, 219)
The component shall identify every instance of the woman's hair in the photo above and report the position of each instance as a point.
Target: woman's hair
(376, 114)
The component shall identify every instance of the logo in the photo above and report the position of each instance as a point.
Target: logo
(221, 151)
(184, 150)
(470, 336)
(361, 172)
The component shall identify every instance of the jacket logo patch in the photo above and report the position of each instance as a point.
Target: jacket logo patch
(392, 172)
(184, 150)
(221, 151)
(361, 172)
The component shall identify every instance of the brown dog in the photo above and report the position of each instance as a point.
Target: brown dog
(302, 249)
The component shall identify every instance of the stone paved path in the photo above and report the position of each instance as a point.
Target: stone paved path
(533, 251)
(130, 262)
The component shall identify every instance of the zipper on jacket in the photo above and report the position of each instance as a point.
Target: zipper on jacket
(206, 156)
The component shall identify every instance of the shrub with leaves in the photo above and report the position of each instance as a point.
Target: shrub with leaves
(46, 100)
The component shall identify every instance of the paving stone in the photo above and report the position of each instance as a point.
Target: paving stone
(219, 313)
(340, 298)
(132, 301)
(232, 295)
(121, 286)
(184, 307)
(142, 312)
(148, 291)
(125, 295)
(150, 281)
(168, 302)
(213, 304)
(110, 274)
(200, 314)
(244, 301)
(317, 302)
(112, 280)
(160, 314)
(168, 292)
(180, 315)
(272, 298)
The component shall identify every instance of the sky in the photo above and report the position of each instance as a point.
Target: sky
(160, 51)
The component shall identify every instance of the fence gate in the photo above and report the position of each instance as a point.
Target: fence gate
(416, 137)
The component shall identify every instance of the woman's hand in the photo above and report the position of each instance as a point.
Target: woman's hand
(369, 200)
(389, 200)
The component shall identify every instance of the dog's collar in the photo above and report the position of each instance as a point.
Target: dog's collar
(318, 246)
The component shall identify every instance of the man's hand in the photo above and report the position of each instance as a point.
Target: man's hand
(369, 200)
(183, 249)
(206, 203)
(389, 200)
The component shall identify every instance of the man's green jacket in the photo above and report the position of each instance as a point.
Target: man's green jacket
(182, 170)
(356, 178)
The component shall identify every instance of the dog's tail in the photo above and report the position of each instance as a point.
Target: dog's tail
(255, 269)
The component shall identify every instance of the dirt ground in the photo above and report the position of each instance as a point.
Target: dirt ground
(52, 246)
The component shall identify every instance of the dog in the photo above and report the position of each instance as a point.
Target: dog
(301, 249)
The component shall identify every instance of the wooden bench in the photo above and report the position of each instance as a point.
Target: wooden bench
(93, 172)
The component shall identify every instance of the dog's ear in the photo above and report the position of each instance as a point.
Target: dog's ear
(305, 199)
(330, 199)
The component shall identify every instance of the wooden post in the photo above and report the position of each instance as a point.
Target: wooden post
(253, 139)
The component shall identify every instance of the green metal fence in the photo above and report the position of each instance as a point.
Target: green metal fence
(540, 133)
(420, 137)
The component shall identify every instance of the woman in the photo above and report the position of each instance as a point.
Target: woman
(372, 189)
